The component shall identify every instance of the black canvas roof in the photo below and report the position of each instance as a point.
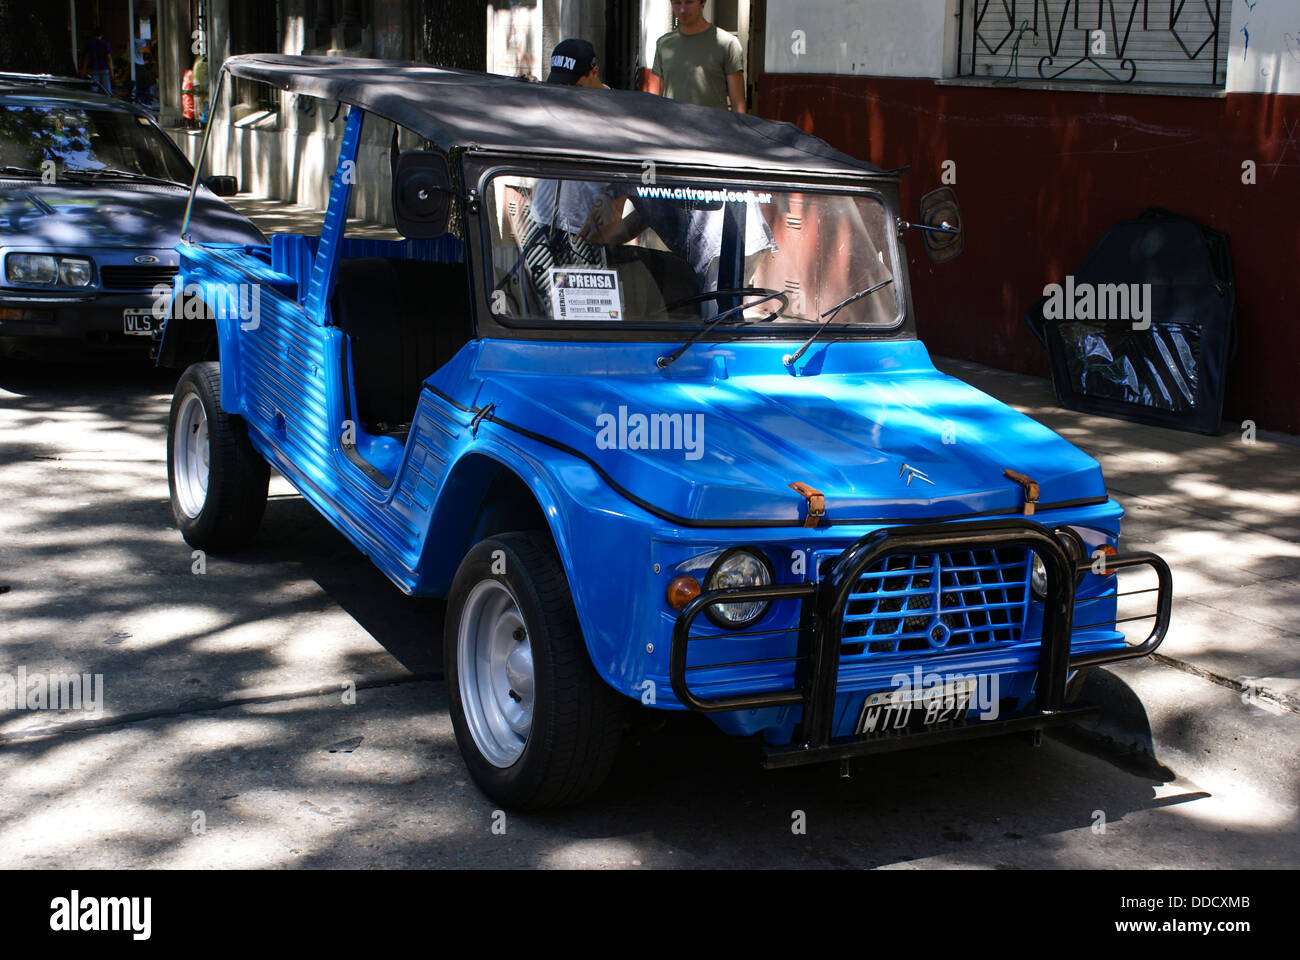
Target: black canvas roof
(460, 108)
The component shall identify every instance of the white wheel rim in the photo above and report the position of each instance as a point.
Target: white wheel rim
(494, 658)
(190, 456)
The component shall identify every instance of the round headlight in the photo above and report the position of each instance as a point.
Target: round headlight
(738, 567)
(74, 272)
(1038, 578)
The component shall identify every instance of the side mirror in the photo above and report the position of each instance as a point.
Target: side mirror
(421, 195)
(940, 223)
(222, 186)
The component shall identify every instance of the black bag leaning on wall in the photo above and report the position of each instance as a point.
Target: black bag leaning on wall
(1144, 328)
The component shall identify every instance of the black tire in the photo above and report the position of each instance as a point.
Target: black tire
(576, 718)
(235, 498)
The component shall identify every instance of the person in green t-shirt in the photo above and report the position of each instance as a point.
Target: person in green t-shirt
(698, 63)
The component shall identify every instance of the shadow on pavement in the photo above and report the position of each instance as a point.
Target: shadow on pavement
(93, 555)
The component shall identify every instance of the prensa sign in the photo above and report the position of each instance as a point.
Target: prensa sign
(584, 294)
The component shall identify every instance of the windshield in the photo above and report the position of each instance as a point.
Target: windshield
(568, 252)
(84, 141)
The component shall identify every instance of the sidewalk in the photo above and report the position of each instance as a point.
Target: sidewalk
(1220, 701)
(282, 216)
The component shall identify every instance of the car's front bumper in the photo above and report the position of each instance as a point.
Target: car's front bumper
(95, 316)
(822, 609)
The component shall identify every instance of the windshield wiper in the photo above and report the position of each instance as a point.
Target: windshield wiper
(709, 324)
(790, 359)
(118, 175)
(21, 171)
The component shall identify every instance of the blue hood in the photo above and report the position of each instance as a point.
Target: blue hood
(846, 425)
(86, 216)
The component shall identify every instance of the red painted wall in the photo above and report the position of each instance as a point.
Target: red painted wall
(1042, 174)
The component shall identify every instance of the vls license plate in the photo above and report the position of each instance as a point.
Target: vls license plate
(912, 711)
(138, 323)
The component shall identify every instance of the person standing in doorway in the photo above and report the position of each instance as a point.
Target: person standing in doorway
(698, 63)
(138, 86)
(100, 60)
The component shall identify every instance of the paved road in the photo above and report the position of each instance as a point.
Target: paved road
(226, 740)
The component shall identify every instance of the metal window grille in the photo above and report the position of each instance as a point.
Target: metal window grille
(1181, 42)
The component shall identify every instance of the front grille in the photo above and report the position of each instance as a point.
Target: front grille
(135, 278)
(932, 602)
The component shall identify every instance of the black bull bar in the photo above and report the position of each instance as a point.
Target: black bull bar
(821, 623)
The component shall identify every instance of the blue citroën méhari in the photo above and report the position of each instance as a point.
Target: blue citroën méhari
(636, 386)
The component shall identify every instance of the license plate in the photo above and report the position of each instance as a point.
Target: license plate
(138, 323)
(913, 711)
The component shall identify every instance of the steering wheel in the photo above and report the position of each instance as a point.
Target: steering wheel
(780, 296)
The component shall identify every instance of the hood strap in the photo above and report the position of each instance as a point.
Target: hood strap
(1029, 486)
(816, 502)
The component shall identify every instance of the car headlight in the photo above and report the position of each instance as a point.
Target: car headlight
(738, 567)
(1038, 578)
(31, 268)
(1075, 551)
(74, 272)
(48, 271)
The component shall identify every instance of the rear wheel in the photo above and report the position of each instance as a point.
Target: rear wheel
(537, 727)
(217, 480)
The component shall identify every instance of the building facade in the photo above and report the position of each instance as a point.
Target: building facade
(1054, 119)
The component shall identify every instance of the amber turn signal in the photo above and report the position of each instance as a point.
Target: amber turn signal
(681, 591)
(1105, 551)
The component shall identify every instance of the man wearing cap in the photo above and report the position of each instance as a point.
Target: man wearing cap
(574, 62)
(698, 63)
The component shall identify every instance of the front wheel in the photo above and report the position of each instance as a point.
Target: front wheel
(537, 727)
(217, 480)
